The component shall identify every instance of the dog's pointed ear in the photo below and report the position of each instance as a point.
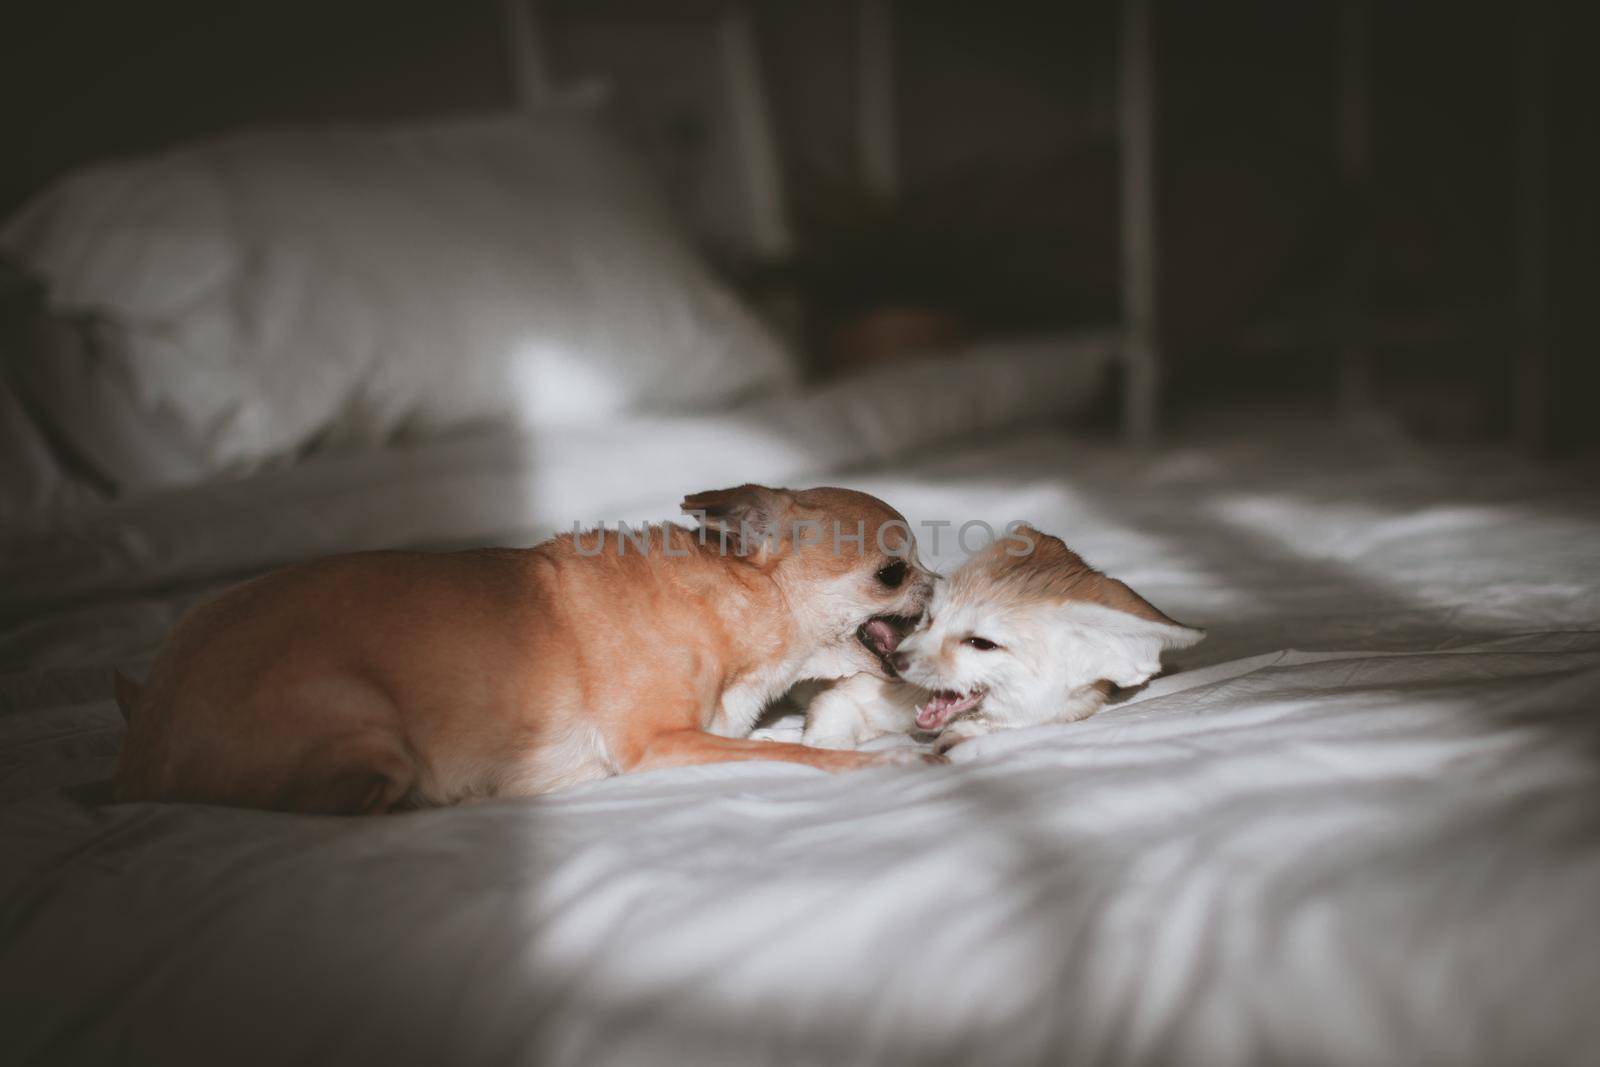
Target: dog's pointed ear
(1117, 596)
(1111, 632)
(1120, 635)
(1039, 559)
(750, 519)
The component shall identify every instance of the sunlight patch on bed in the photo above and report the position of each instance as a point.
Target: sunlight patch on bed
(1522, 559)
(1346, 529)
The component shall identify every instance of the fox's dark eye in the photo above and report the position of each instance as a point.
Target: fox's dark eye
(982, 644)
(893, 574)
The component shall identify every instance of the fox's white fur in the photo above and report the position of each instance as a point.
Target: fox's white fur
(1063, 637)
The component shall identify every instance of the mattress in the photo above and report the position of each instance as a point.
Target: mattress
(1359, 824)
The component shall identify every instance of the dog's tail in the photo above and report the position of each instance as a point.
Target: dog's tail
(128, 693)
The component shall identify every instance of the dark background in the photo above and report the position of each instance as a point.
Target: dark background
(1005, 115)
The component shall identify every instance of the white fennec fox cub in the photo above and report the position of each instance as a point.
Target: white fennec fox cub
(1023, 633)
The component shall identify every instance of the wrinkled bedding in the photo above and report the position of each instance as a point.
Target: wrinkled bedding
(1359, 824)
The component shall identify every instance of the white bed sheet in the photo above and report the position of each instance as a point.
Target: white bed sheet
(1360, 824)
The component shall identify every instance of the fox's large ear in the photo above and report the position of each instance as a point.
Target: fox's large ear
(749, 519)
(1118, 635)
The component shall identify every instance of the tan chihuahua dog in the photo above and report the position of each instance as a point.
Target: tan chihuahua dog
(367, 682)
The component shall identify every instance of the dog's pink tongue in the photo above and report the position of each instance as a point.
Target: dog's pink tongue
(884, 636)
(933, 714)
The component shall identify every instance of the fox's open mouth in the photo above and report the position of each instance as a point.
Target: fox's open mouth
(882, 634)
(945, 705)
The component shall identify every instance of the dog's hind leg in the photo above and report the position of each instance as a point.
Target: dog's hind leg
(368, 774)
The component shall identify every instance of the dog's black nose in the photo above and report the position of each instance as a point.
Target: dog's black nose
(899, 661)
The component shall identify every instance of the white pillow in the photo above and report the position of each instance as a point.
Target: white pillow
(273, 289)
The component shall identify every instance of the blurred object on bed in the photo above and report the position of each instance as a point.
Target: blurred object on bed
(885, 334)
(244, 299)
